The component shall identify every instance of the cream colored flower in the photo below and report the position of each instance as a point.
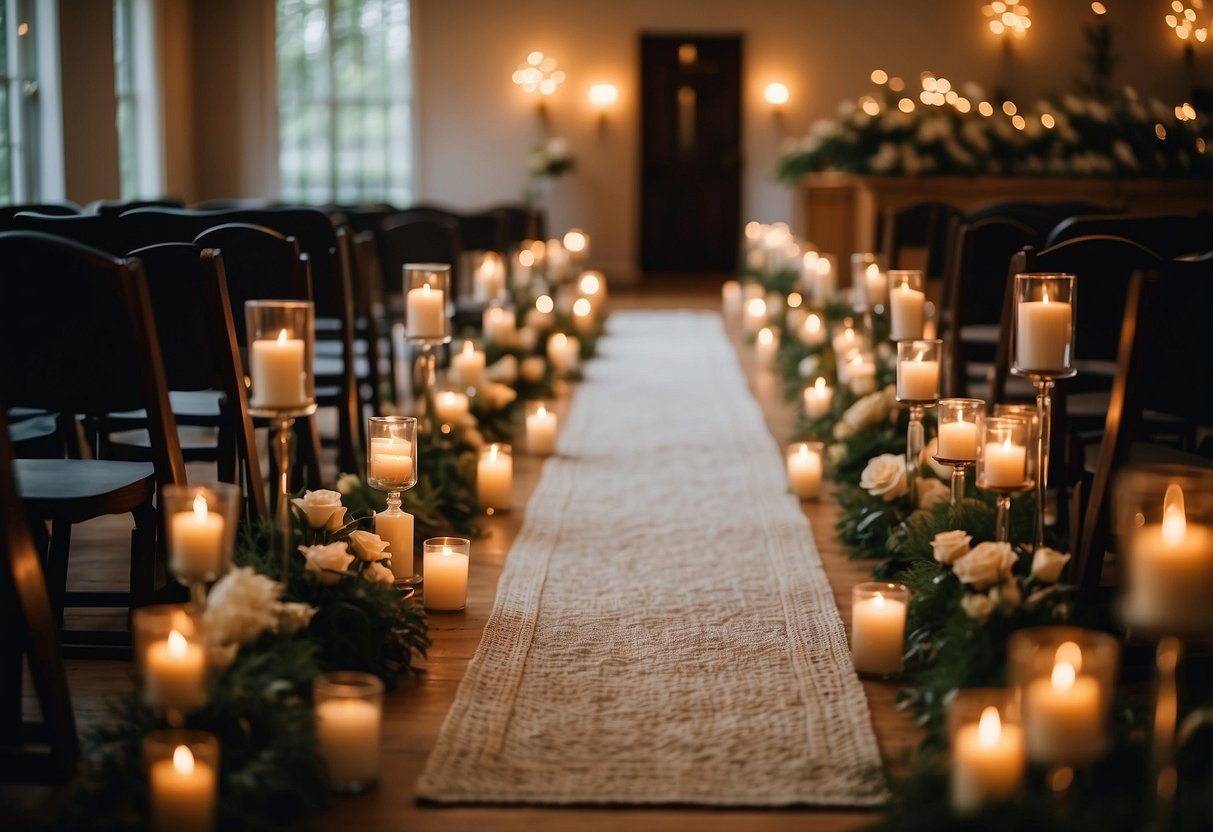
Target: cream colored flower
(368, 546)
(947, 547)
(473, 437)
(836, 453)
(499, 395)
(293, 616)
(985, 565)
(240, 606)
(329, 562)
(1047, 565)
(932, 493)
(944, 472)
(533, 369)
(504, 370)
(1007, 596)
(977, 606)
(872, 409)
(322, 509)
(885, 477)
(808, 366)
(378, 573)
(348, 483)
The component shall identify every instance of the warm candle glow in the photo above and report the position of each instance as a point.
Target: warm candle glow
(1174, 518)
(581, 308)
(813, 324)
(820, 385)
(794, 300)
(575, 240)
(756, 308)
(1063, 677)
(200, 508)
(446, 551)
(282, 337)
(178, 647)
(544, 304)
(526, 257)
(776, 93)
(183, 760)
(989, 728)
(765, 335)
(878, 600)
(590, 284)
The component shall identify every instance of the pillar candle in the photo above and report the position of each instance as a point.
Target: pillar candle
(1042, 336)
(906, 313)
(564, 352)
(876, 285)
(541, 431)
(824, 283)
(813, 333)
(196, 540)
(426, 312)
(1171, 570)
(804, 472)
(817, 399)
(391, 460)
(182, 797)
(278, 373)
(499, 325)
(755, 315)
(987, 762)
(957, 441)
(730, 296)
(175, 673)
(878, 627)
(489, 279)
(468, 365)
(766, 347)
(1005, 465)
(494, 477)
(918, 380)
(451, 406)
(347, 731)
(446, 580)
(396, 528)
(861, 375)
(1063, 718)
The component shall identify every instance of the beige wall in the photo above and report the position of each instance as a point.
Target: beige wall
(90, 136)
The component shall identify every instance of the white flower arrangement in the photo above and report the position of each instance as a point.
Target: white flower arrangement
(550, 157)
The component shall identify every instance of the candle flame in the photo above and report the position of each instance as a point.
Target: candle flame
(820, 385)
(446, 551)
(282, 336)
(765, 335)
(425, 288)
(448, 397)
(560, 339)
(468, 348)
(582, 308)
(918, 358)
(183, 760)
(590, 283)
(544, 304)
(1174, 517)
(542, 411)
(756, 308)
(989, 728)
(493, 452)
(794, 300)
(873, 270)
(857, 359)
(1007, 443)
(1045, 299)
(200, 508)
(177, 645)
(803, 450)
(1063, 676)
(813, 323)
(526, 258)
(878, 600)
(823, 266)
(1071, 654)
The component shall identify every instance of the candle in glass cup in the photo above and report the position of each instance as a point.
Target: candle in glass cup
(182, 781)
(861, 374)
(451, 406)
(196, 540)
(1170, 567)
(987, 762)
(804, 469)
(391, 460)
(426, 312)
(446, 573)
(878, 624)
(1043, 334)
(960, 422)
(817, 399)
(1063, 715)
(918, 377)
(755, 317)
(766, 347)
(348, 708)
(174, 673)
(1005, 464)
(825, 282)
(489, 277)
(499, 324)
(494, 477)
(564, 352)
(813, 332)
(276, 371)
(540, 429)
(906, 304)
(876, 285)
(468, 365)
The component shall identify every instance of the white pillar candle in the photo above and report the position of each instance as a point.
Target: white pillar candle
(878, 627)
(499, 325)
(540, 315)
(817, 399)
(488, 281)
(468, 365)
(846, 341)
(766, 347)
(813, 332)
(1171, 570)
(755, 317)
(1005, 464)
(825, 282)
(957, 441)
(804, 472)
(1063, 717)
(278, 373)
(347, 731)
(918, 380)
(391, 460)
(730, 298)
(451, 406)
(1042, 336)
(808, 272)
(906, 313)
(876, 284)
(564, 353)
(196, 540)
(446, 580)
(426, 312)
(987, 762)
(175, 673)
(494, 477)
(396, 529)
(541, 431)
(557, 259)
(861, 375)
(182, 793)
(521, 266)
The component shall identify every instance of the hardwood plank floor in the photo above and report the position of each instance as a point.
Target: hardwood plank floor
(415, 711)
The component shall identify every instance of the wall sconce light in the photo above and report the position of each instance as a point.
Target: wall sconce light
(1181, 19)
(1008, 18)
(602, 98)
(539, 74)
(776, 94)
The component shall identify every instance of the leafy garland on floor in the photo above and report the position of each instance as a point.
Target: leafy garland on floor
(969, 594)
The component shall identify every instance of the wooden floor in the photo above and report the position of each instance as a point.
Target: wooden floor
(414, 712)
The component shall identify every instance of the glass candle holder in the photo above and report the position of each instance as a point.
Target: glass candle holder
(201, 522)
(391, 458)
(918, 371)
(817, 398)
(823, 280)
(541, 427)
(878, 627)
(468, 364)
(183, 779)
(427, 291)
(451, 406)
(766, 348)
(1165, 526)
(960, 425)
(170, 655)
(907, 304)
(281, 350)
(494, 477)
(1063, 679)
(500, 325)
(1005, 464)
(874, 283)
(446, 562)
(1042, 338)
(564, 353)
(488, 279)
(522, 265)
(349, 714)
(804, 462)
(987, 743)
(847, 337)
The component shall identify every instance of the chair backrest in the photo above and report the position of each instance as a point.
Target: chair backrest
(29, 627)
(119, 206)
(924, 226)
(416, 236)
(77, 335)
(53, 209)
(518, 223)
(1043, 217)
(482, 231)
(92, 230)
(142, 227)
(233, 204)
(1169, 236)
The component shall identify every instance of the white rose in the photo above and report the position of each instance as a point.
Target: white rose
(885, 477)
(932, 493)
(808, 366)
(870, 410)
(944, 472)
(322, 508)
(985, 565)
(473, 437)
(241, 606)
(368, 546)
(947, 547)
(835, 454)
(378, 573)
(533, 369)
(1047, 565)
(977, 606)
(1007, 596)
(293, 616)
(500, 395)
(348, 483)
(505, 370)
(329, 562)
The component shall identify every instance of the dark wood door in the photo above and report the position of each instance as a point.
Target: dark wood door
(690, 152)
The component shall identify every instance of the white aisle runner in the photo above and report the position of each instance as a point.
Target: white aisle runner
(663, 630)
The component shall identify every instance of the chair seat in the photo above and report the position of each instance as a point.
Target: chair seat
(188, 406)
(1147, 453)
(195, 440)
(327, 366)
(28, 430)
(980, 334)
(79, 489)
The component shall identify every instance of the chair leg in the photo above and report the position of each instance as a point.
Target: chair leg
(56, 567)
(308, 454)
(143, 555)
(348, 422)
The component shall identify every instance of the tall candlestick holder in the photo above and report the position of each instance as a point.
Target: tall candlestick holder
(282, 343)
(427, 325)
(201, 522)
(391, 464)
(960, 423)
(918, 387)
(1004, 466)
(1042, 344)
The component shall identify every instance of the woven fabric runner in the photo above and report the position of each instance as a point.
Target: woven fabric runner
(663, 630)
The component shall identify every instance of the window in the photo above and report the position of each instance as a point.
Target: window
(31, 150)
(139, 167)
(344, 101)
